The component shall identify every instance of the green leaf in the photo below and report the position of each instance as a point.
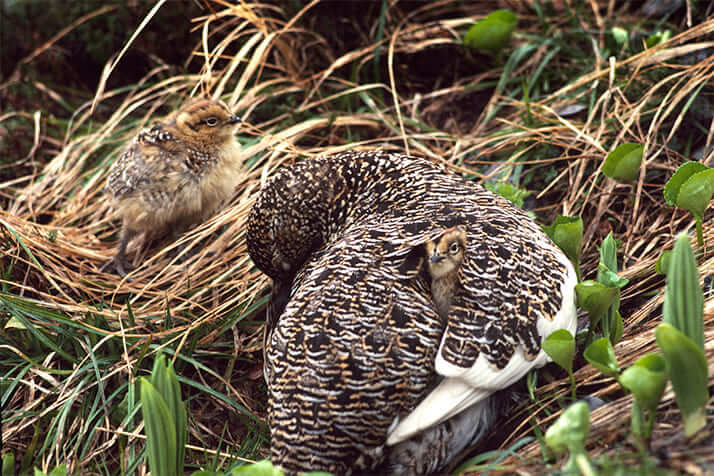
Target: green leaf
(493, 32)
(507, 190)
(683, 299)
(8, 464)
(646, 380)
(663, 262)
(608, 254)
(567, 233)
(560, 346)
(570, 430)
(618, 327)
(261, 468)
(623, 163)
(675, 182)
(602, 356)
(688, 372)
(60, 470)
(619, 34)
(160, 432)
(610, 278)
(595, 298)
(696, 193)
(657, 38)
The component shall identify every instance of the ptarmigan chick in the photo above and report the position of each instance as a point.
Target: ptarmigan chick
(444, 257)
(174, 174)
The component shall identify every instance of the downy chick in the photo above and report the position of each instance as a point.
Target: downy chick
(174, 174)
(444, 256)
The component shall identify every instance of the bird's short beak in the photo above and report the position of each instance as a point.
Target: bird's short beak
(436, 258)
(234, 119)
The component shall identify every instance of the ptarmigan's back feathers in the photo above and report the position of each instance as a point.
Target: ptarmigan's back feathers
(354, 354)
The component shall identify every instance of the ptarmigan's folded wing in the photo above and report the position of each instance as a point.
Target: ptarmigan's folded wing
(480, 355)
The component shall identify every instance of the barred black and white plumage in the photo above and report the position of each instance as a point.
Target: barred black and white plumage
(358, 360)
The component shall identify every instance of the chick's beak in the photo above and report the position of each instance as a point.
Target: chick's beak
(234, 119)
(436, 258)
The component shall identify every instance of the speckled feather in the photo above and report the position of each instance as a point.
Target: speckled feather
(352, 339)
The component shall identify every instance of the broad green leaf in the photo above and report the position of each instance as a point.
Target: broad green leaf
(619, 34)
(646, 380)
(570, 430)
(166, 383)
(8, 464)
(618, 327)
(663, 262)
(608, 254)
(602, 356)
(610, 278)
(567, 233)
(688, 372)
(696, 193)
(683, 299)
(160, 432)
(510, 192)
(261, 468)
(560, 346)
(675, 182)
(623, 163)
(595, 298)
(657, 38)
(493, 32)
(60, 470)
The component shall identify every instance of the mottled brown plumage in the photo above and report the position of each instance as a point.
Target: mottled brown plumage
(360, 365)
(174, 174)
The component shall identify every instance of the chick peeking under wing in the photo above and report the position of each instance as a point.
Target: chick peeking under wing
(174, 174)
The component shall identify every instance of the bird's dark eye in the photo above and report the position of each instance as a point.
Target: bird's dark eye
(454, 248)
(211, 121)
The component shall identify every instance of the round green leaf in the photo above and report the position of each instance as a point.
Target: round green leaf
(623, 163)
(686, 170)
(688, 371)
(571, 429)
(696, 192)
(567, 233)
(493, 32)
(560, 346)
(663, 262)
(620, 35)
(646, 380)
(261, 468)
(602, 356)
(595, 298)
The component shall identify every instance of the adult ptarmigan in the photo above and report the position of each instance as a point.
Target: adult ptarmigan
(363, 374)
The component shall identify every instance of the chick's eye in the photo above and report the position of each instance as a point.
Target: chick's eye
(211, 121)
(454, 248)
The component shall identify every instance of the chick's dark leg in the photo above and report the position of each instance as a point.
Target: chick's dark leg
(119, 261)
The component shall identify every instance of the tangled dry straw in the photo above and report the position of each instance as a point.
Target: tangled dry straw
(286, 81)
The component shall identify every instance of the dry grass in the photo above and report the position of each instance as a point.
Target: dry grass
(287, 78)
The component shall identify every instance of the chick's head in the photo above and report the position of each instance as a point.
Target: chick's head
(446, 253)
(205, 122)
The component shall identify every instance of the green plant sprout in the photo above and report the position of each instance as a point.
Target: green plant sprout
(646, 379)
(601, 298)
(164, 416)
(568, 433)
(560, 346)
(691, 188)
(493, 32)
(567, 233)
(681, 337)
(624, 162)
